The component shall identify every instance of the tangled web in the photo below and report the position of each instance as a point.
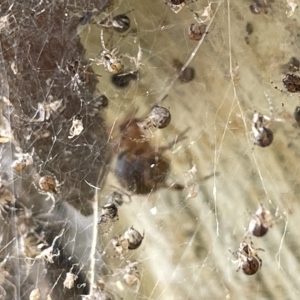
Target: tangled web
(142, 140)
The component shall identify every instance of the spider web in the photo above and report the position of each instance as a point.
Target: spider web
(184, 254)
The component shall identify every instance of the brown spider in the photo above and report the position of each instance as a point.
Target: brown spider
(291, 83)
(260, 222)
(112, 63)
(196, 31)
(247, 258)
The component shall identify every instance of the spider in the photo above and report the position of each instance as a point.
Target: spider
(5, 282)
(139, 167)
(70, 278)
(131, 239)
(176, 5)
(109, 215)
(260, 222)
(247, 258)
(109, 59)
(77, 126)
(259, 6)
(291, 83)
(47, 107)
(158, 118)
(7, 199)
(262, 136)
(120, 23)
(132, 276)
(79, 73)
(117, 198)
(33, 244)
(49, 184)
(99, 293)
(35, 294)
(196, 31)
(23, 160)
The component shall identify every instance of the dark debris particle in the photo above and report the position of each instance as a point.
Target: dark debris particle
(249, 28)
(122, 80)
(85, 19)
(187, 75)
(177, 2)
(103, 101)
(297, 114)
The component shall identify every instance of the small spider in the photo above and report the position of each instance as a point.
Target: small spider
(35, 294)
(7, 199)
(23, 160)
(259, 6)
(33, 244)
(176, 5)
(120, 23)
(262, 136)
(78, 72)
(77, 126)
(131, 239)
(109, 214)
(99, 293)
(159, 117)
(117, 198)
(4, 282)
(49, 184)
(247, 258)
(47, 107)
(260, 222)
(109, 59)
(132, 276)
(70, 279)
(196, 31)
(292, 4)
(291, 83)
